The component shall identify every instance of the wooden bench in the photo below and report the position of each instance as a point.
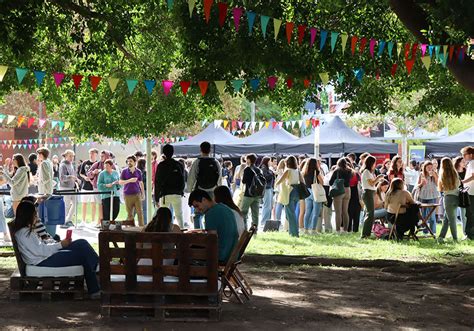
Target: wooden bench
(170, 276)
(45, 287)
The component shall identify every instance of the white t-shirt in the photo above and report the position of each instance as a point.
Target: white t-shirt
(411, 176)
(366, 175)
(469, 172)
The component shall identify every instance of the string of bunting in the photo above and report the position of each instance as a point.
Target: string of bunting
(242, 127)
(30, 121)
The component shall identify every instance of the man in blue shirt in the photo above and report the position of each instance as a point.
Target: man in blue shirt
(219, 218)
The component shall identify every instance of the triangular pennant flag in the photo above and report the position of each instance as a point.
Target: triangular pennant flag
(10, 118)
(191, 5)
(363, 42)
(293, 124)
(426, 62)
(390, 49)
(414, 49)
(312, 32)
(95, 81)
(276, 27)
(307, 122)
(167, 85)
(407, 50)
(289, 83)
(207, 9)
(31, 120)
(20, 120)
(39, 75)
(359, 74)
(240, 123)
(237, 13)
(41, 122)
(237, 85)
(323, 35)
(170, 4)
(223, 7)
(53, 125)
(2, 117)
(264, 22)
(58, 78)
(289, 31)
(430, 50)
(61, 125)
(272, 82)
(423, 49)
(334, 36)
(3, 71)
(451, 52)
(409, 64)
(20, 74)
(253, 125)
(131, 84)
(306, 83)
(445, 50)
(353, 44)
(301, 31)
(67, 125)
(377, 74)
(324, 77)
(260, 125)
(226, 122)
(217, 123)
(274, 124)
(394, 69)
(344, 38)
(399, 49)
(340, 78)
(381, 47)
(267, 124)
(254, 83)
(220, 85)
(185, 86)
(150, 85)
(372, 46)
(77, 80)
(113, 83)
(251, 20)
(203, 86)
(444, 59)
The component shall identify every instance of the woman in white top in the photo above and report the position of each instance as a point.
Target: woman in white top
(45, 172)
(428, 191)
(369, 182)
(290, 177)
(222, 195)
(278, 206)
(20, 181)
(449, 184)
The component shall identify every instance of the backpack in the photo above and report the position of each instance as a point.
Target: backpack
(175, 178)
(258, 184)
(208, 173)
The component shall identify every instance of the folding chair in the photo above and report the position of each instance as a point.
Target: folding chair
(394, 232)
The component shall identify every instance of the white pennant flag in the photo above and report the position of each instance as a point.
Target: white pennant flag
(300, 124)
(253, 125)
(10, 118)
(260, 125)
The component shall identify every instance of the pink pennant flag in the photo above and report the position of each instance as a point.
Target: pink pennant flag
(56, 140)
(240, 124)
(423, 49)
(42, 122)
(29, 146)
(167, 85)
(58, 78)
(372, 46)
(237, 13)
(272, 80)
(312, 32)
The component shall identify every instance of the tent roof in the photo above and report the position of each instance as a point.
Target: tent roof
(450, 145)
(268, 136)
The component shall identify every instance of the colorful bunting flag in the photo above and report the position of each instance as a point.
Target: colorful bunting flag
(170, 4)
(359, 74)
(150, 85)
(313, 32)
(220, 85)
(323, 35)
(254, 83)
(191, 5)
(237, 13)
(289, 31)
(31, 120)
(301, 32)
(363, 43)
(381, 47)
(3, 71)
(185, 85)
(76, 79)
(95, 80)
(203, 87)
(399, 49)
(251, 20)
(353, 44)
(41, 122)
(426, 61)
(272, 80)
(372, 46)
(20, 120)
(207, 9)
(131, 84)
(237, 85)
(223, 7)
(10, 118)
(344, 38)
(264, 23)
(20, 74)
(39, 75)
(276, 27)
(58, 78)
(334, 36)
(167, 85)
(113, 83)
(390, 49)
(409, 64)
(324, 77)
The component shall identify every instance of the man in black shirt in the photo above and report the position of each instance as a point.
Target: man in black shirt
(86, 186)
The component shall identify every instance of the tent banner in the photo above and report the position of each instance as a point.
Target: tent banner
(417, 153)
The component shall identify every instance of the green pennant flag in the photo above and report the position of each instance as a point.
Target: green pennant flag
(20, 74)
(276, 27)
(131, 84)
(334, 36)
(237, 85)
(264, 22)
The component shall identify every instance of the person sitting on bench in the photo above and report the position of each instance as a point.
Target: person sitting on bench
(65, 253)
(219, 218)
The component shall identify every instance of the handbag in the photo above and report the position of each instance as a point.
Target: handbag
(284, 194)
(302, 190)
(319, 194)
(337, 188)
(464, 197)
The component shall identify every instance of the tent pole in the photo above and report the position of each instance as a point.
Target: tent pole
(316, 141)
(252, 115)
(149, 188)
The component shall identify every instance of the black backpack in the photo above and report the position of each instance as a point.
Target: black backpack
(208, 173)
(175, 178)
(258, 184)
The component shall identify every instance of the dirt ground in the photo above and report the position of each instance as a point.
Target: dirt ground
(297, 294)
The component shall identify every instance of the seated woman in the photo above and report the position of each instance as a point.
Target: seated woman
(65, 253)
(399, 204)
(380, 211)
(222, 195)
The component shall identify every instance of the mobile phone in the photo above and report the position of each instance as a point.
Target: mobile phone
(69, 234)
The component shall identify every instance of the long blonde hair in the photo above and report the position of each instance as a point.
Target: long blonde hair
(448, 175)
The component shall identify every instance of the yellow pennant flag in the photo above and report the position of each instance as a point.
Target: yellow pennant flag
(191, 5)
(67, 125)
(399, 48)
(344, 41)
(220, 85)
(324, 77)
(276, 27)
(225, 124)
(445, 50)
(426, 61)
(3, 71)
(267, 124)
(113, 83)
(307, 123)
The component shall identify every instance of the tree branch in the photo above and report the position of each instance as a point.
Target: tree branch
(415, 20)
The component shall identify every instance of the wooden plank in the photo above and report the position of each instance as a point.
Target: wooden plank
(104, 260)
(157, 267)
(184, 262)
(130, 262)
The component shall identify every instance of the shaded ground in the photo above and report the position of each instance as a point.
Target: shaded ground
(296, 293)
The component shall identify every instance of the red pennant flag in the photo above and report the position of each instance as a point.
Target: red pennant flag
(394, 69)
(234, 125)
(407, 50)
(363, 42)
(377, 74)
(289, 31)
(95, 80)
(274, 124)
(272, 80)
(301, 31)
(35, 146)
(31, 120)
(203, 86)
(207, 9)
(306, 83)
(353, 44)
(414, 48)
(451, 51)
(223, 7)
(77, 80)
(289, 83)
(185, 86)
(409, 64)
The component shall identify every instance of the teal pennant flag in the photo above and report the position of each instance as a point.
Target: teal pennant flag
(264, 22)
(20, 74)
(237, 85)
(131, 84)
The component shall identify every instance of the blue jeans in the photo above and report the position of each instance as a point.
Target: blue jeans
(79, 252)
(290, 209)
(425, 211)
(267, 205)
(278, 210)
(311, 214)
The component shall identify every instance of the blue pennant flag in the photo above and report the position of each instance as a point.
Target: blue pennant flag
(430, 50)
(39, 75)
(381, 47)
(251, 20)
(359, 73)
(254, 84)
(324, 35)
(150, 85)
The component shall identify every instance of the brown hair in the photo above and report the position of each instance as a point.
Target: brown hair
(43, 151)
(291, 162)
(447, 175)
(369, 163)
(110, 162)
(467, 150)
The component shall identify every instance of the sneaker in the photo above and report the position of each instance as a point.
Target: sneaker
(94, 296)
